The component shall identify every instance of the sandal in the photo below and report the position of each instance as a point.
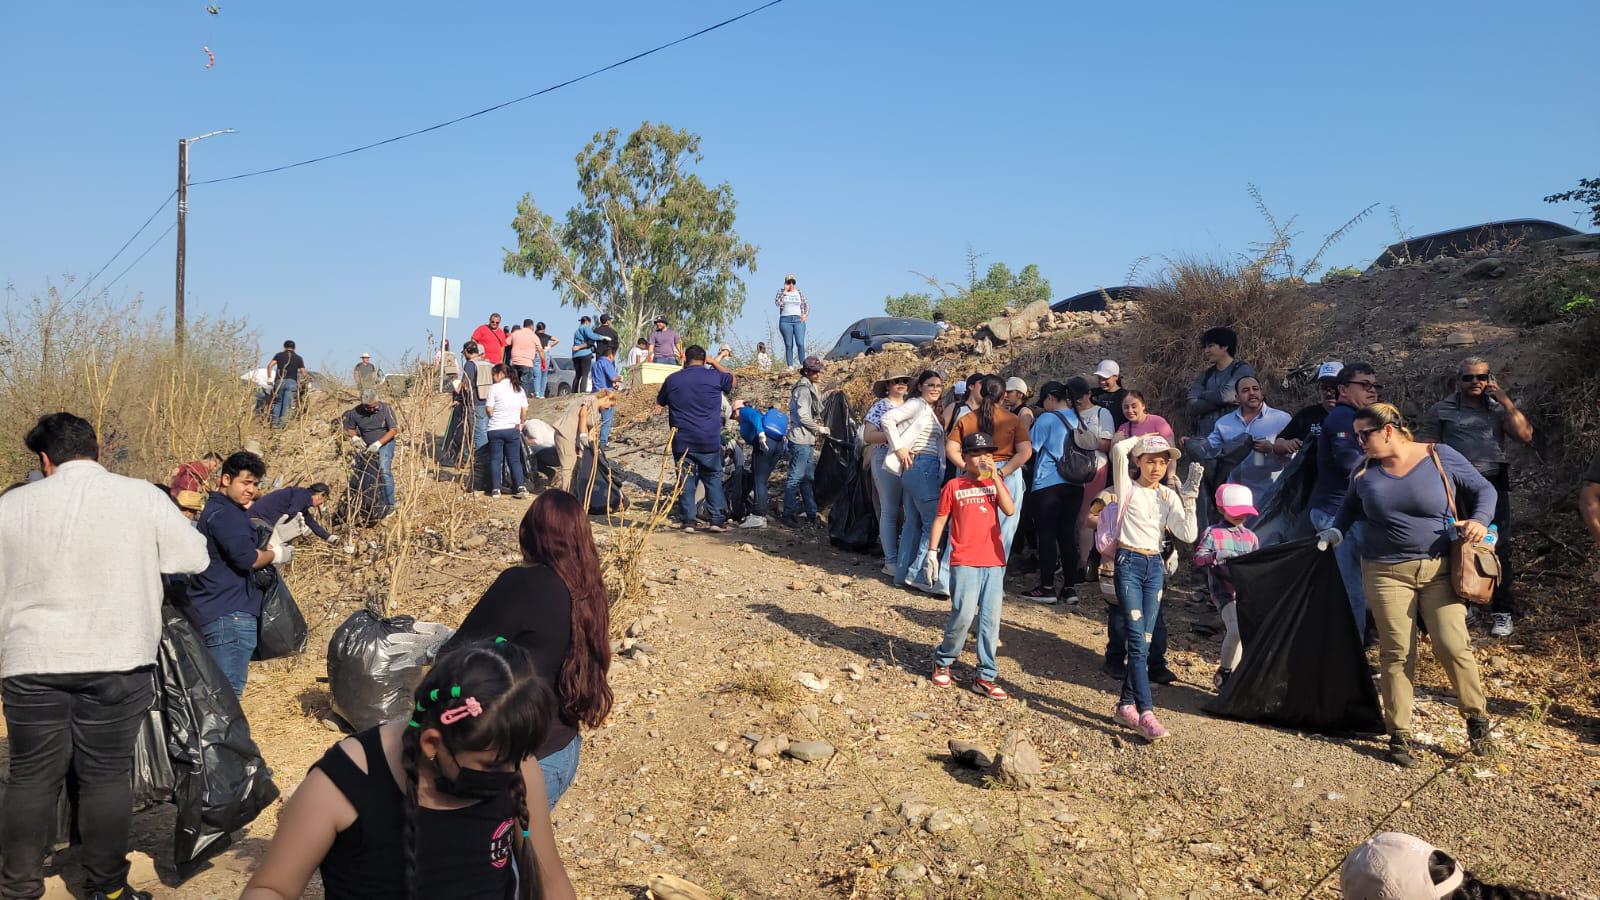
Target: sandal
(941, 676)
(989, 689)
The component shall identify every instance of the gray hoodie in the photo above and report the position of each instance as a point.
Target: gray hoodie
(805, 412)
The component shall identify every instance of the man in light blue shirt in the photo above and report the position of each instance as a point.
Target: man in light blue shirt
(1242, 440)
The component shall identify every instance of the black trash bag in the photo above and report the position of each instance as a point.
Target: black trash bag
(375, 664)
(1303, 667)
(837, 453)
(853, 520)
(598, 483)
(282, 628)
(221, 783)
(153, 778)
(1285, 507)
(736, 487)
(366, 502)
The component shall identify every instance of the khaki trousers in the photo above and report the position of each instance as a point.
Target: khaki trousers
(1398, 593)
(567, 453)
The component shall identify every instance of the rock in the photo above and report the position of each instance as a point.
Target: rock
(1374, 348)
(1019, 764)
(1207, 851)
(331, 725)
(1461, 302)
(857, 670)
(908, 872)
(914, 811)
(799, 585)
(812, 683)
(970, 755)
(1489, 267)
(762, 764)
(720, 747)
(671, 887)
(940, 821)
(1460, 339)
(639, 626)
(474, 542)
(770, 746)
(624, 819)
(809, 713)
(1100, 319)
(1333, 795)
(809, 751)
(898, 347)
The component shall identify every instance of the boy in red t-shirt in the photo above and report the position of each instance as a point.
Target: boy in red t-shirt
(972, 503)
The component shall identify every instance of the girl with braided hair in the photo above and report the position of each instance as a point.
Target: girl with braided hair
(448, 804)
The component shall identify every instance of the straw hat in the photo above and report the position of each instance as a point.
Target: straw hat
(880, 387)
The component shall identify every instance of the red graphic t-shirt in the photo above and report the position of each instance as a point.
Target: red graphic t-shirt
(974, 522)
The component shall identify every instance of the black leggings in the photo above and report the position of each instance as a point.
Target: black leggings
(580, 371)
(1055, 521)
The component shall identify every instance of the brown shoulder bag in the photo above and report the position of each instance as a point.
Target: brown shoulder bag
(1474, 567)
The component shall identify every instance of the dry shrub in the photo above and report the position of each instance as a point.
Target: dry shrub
(622, 558)
(115, 365)
(1273, 319)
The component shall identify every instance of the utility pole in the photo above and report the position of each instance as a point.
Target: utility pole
(183, 216)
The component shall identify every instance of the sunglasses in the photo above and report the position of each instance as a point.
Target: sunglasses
(790, 281)
(1363, 436)
(1369, 385)
(1485, 376)
(901, 381)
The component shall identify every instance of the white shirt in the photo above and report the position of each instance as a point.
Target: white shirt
(637, 355)
(259, 378)
(913, 426)
(1146, 512)
(793, 303)
(764, 359)
(506, 404)
(81, 558)
(541, 434)
(1098, 422)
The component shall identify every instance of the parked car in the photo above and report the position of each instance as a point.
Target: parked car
(1459, 240)
(1095, 300)
(869, 335)
(558, 383)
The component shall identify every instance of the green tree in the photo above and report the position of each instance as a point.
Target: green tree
(1587, 192)
(647, 238)
(910, 306)
(977, 300)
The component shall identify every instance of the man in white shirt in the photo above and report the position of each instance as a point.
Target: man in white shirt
(82, 552)
(1242, 440)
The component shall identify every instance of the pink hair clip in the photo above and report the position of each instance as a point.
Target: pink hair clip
(469, 708)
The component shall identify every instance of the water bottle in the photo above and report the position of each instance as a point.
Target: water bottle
(1493, 537)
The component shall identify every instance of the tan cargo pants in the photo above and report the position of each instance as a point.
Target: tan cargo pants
(1398, 594)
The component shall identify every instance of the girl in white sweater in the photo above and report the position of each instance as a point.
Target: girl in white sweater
(1146, 509)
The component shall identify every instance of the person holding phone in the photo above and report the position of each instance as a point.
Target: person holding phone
(1474, 421)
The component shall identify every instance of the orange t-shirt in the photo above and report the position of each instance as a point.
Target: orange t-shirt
(1008, 431)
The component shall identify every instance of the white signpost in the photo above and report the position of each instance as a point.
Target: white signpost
(444, 301)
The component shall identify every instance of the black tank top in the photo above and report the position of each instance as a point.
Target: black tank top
(462, 854)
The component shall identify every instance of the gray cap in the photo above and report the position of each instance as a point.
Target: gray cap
(369, 396)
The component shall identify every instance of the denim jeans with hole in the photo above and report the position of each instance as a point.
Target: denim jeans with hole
(560, 770)
(793, 329)
(696, 468)
(1140, 577)
(919, 504)
(802, 470)
(975, 592)
(231, 640)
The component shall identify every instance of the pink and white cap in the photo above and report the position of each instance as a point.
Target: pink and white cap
(1236, 500)
(1394, 866)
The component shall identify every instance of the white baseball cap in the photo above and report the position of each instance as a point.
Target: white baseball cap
(1152, 444)
(1236, 500)
(1108, 368)
(1329, 369)
(1016, 384)
(1394, 866)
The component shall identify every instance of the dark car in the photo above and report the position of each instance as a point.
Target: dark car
(869, 335)
(1095, 300)
(1459, 240)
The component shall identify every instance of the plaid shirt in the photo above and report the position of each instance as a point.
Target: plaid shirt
(1216, 547)
(804, 309)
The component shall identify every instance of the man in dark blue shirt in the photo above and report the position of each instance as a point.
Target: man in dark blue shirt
(289, 511)
(226, 601)
(693, 398)
(1338, 456)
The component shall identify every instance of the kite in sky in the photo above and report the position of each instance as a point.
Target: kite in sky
(211, 58)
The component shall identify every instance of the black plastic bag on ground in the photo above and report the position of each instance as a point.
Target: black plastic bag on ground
(598, 483)
(1303, 666)
(837, 453)
(735, 489)
(282, 628)
(375, 664)
(221, 783)
(853, 519)
(366, 502)
(1285, 507)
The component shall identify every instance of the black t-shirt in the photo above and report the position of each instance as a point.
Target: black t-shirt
(1307, 423)
(531, 607)
(1112, 401)
(611, 335)
(462, 854)
(289, 365)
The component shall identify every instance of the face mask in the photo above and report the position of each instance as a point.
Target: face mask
(474, 784)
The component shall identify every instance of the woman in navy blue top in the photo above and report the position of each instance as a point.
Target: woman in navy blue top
(1400, 493)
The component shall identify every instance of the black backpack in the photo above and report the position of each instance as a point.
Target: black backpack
(1075, 465)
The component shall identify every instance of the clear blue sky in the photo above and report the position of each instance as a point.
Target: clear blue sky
(863, 140)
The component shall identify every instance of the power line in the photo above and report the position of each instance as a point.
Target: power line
(489, 109)
(124, 246)
(135, 262)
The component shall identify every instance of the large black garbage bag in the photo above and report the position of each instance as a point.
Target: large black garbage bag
(282, 628)
(366, 502)
(153, 778)
(837, 453)
(375, 664)
(1303, 665)
(1285, 507)
(220, 781)
(736, 487)
(598, 483)
(853, 520)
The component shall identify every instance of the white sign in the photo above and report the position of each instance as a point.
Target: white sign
(444, 297)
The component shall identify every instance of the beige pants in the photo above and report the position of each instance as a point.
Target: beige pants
(567, 452)
(1398, 593)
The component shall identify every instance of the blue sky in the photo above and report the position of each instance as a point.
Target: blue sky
(862, 140)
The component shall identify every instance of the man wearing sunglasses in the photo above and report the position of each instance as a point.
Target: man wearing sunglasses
(1475, 420)
(1338, 454)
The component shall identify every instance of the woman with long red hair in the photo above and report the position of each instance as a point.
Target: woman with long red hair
(554, 605)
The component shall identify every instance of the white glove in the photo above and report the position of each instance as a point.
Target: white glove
(333, 539)
(930, 569)
(374, 447)
(761, 441)
(584, 441)
(282, 554)
(1328, 538)
(356, 440)
(1189, 489)
(823, 430)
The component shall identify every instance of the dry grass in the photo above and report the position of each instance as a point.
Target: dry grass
(623, 556)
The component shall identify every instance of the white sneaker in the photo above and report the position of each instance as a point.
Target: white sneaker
(1502, 625)
(754, 521)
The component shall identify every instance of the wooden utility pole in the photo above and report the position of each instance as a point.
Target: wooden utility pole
(183, 214)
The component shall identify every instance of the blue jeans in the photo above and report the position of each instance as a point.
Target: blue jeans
(231, 640)
(287, 391)
(694, 468)
(525, 378)
(761, 465)
(1008, 524)
(890, 492)
(505, 446)
(1140, 578)
(540, 377)
(919, 503)
(560, 770)
(793, 329)
(1348, 555)
(975, 591)
(386, 461)
(480, 427)
(1117, 640)
(802, 469)
(606, 415)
